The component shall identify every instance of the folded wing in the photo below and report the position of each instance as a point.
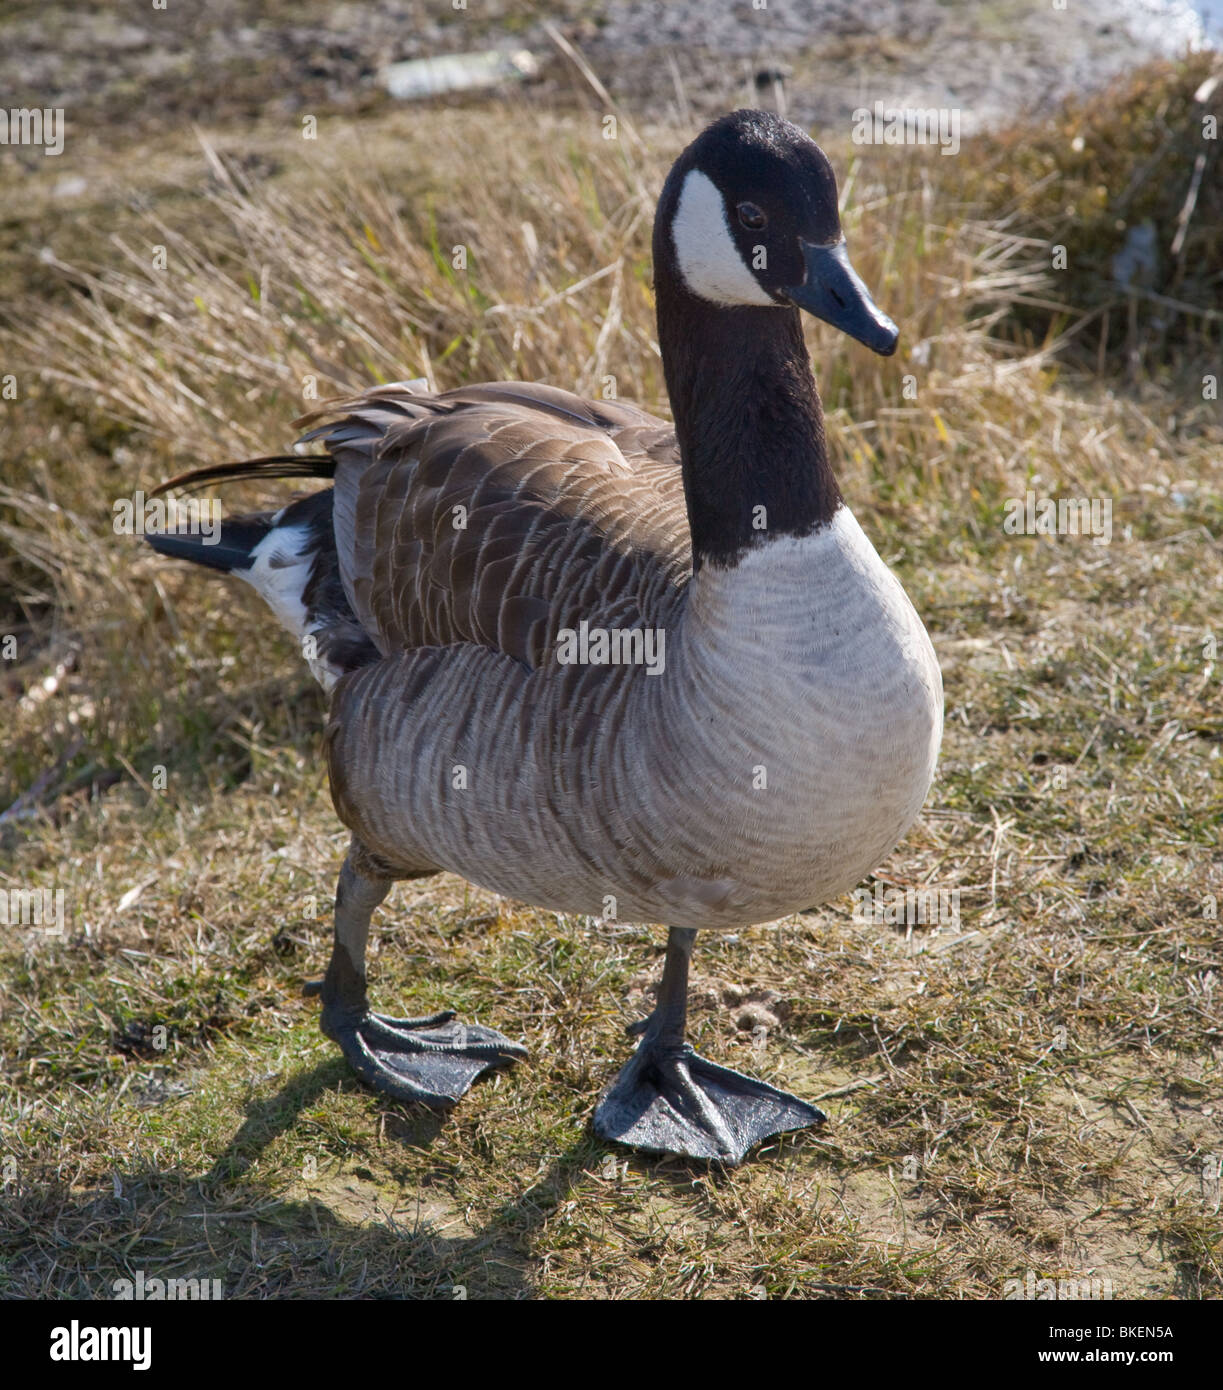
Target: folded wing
(500, 514)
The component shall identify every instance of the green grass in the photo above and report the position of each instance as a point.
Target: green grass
(1039, 1089)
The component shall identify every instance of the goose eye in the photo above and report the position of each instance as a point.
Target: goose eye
(751, 216)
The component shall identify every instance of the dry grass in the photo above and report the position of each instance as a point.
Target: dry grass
(1141, 155)
(1037, 1088)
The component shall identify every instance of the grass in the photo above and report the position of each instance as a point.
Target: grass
(1037, 1088)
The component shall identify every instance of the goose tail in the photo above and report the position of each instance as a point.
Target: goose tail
(289, 557)
(227, 546)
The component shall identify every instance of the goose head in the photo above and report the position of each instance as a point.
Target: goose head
(748, 219)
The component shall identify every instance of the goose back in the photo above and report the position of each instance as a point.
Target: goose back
(501, 514)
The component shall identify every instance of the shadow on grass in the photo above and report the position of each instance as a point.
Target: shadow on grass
(416, 1260)
(349, 1239)
(267, 1119)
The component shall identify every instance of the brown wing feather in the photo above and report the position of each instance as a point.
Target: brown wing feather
(499, 514)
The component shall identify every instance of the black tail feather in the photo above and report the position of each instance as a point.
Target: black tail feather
(231, 550)
(273, 466)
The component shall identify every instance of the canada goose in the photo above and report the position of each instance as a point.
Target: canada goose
(769, 761)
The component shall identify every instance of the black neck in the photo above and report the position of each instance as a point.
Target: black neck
(749, 423)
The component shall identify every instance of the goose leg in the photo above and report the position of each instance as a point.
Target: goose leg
(431, 1061)
(667, 1099)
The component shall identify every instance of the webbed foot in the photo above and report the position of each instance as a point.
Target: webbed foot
(428, 1061)
(672, 1100)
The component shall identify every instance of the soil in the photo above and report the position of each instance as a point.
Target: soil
(118, 71)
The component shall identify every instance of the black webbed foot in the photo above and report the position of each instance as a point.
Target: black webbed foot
(668, 1099)
(428, 1061)
(672, 1100)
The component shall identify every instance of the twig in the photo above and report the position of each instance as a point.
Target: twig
(593, 82)
(1191, 199)
(27, 805)
(853, 1086)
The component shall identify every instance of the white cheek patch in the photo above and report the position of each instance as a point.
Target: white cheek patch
(708, 259)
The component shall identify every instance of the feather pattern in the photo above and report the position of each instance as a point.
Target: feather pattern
(721, 793)
(499, 515)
